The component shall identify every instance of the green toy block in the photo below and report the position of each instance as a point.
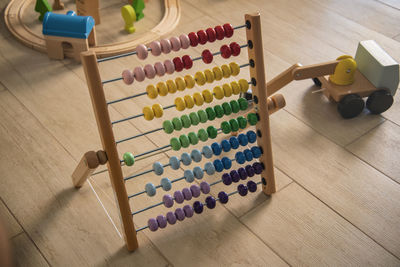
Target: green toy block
(138, 5)
(42, 6)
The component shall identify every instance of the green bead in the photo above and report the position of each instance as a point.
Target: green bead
(185, 121)
(219, 111)
(234, 106)
(175, 143)
(243, 103)
(234, 125)
(227, 108)
(210, 113)
(226, 127)
(193, 138)
(129, 158)
(168, 126)
(194, 118)
(242, 122)
(177, 123)
(184, 140)
(202, 135)
(202, 115)
(252, 118)
(212, 132)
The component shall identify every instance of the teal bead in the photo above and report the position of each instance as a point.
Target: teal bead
(166, 184)
(150, 189)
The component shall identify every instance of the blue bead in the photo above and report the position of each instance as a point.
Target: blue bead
(242, 189)
(226, 146)
(158, 168)
(252, 136)
(227, 163)
(198, 207)
(196, 155)
(219, 167)
(189, 176)
(248, 154)
(234, 142)
(217, 149)
(175, 162)
(186, 159)
(240, 158)
(207, 152)
(243, 139)
(150, 189)
(209, 168)
(256, 152)
(166, 184)
(198, 172)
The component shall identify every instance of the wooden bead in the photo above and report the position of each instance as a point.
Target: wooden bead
(151, 91)
(171, 218)
(175, 43)
(160, 69)
(235, 69)
(168, 201)
(207, 96)
(141, 51)
(162, 221)
(211, 35)
(149, 71)
(152, 224)
(207, 56)
(185, 41)
(150, 189)
(148, 113)
(244, 85)
(155, 47)
(194, 39)
(228, 29)
(189, 102)
(218, 92)
(198, 99)
(235, 87)
(210, 202)
(187, 194)
(219, 32)
(225, 51)
(180, 83)
(217, 73)
(171, 85)
(226, 71)
(235, 48)
(180, 104)
(157, 110)
(187, 61)
(165, 46)
(129, 159)
(200, 78)
(188, 210)
(205, 187)
(162, 89)
(209, 76)
(127, 77)
(227, 89)
(169, 66)
(202, 35)
(139, 74)
(189, 80)
(178, 64)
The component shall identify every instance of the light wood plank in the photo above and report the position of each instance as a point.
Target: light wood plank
(8, 221)
(26, 253)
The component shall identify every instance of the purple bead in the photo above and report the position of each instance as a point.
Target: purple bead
(162, 221)
(188, 210)
(179, 197)
(168, 201)
(186, 193)
(242, 189)
(252, 186)
(243, 174)
(226, 179)
(223, 197)
(195, 189)
(171, 218)
(180, 214)
(198, 207)
(250, 171)
(153, 224)
(235, 176)
(257, 166)
(210, 202)
(205, 187)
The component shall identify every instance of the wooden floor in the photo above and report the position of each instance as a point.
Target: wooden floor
(338, 199)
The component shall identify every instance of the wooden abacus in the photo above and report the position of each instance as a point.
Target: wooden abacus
(257, 114)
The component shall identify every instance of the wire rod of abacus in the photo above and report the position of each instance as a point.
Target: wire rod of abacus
(149, 49)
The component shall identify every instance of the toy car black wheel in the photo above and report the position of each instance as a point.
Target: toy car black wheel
(317, 82)
(379, 101)
(350, 106)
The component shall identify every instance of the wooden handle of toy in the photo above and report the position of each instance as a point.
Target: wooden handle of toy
(87, 165)
(314, 71)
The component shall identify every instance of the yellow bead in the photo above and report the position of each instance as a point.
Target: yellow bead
(162, 89)
(180, 83)
(171, 85)
(235, 69)
(227, 89)
(217, 73)
(218, 92)
(209, 76)
(198, 99)
(157, 110)
(226, 71)
(151, 91)
(244, 85)
(189, 102)
(235, 87)
(189, 81)
(200, 78)
(207, 95)
(148, 113)
(179, 103)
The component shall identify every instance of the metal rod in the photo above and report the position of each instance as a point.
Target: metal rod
(139, 135)
(126, 98)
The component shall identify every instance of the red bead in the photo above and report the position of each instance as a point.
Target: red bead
(207, 56)
(219, 32)
(226, 52)
(194, 39)
(235, 47)
(228, 30)
(178, 64)
(187, 61)
(211, 35)
(203, 38)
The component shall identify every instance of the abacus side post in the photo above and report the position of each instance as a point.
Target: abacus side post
(86, 166)
(89, 62)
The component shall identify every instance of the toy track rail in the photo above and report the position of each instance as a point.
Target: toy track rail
(14, 22)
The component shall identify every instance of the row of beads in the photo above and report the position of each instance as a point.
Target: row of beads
(233, 125)
(226, 51)
(210, 34)
(188, 81)
(242, 173)
(186, 194)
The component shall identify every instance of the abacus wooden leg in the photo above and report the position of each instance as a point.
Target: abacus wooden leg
(87, 165)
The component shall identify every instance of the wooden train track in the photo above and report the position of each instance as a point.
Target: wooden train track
(14, 13)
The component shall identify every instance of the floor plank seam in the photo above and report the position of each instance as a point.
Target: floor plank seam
(385, 4)
(364, 134)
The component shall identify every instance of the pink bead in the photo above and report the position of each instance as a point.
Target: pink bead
(185, 41)
(160, 69)
(139, 74)
(155, 48)
(142, 52)
(175, 43)
(165, 46)
(127, 76)
(169, 66)
(150, 71)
